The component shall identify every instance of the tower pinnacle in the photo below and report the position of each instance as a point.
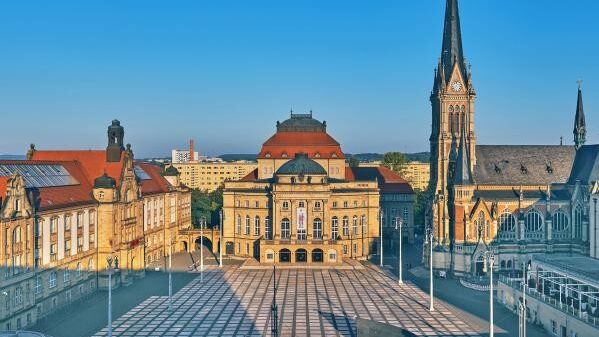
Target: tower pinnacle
(580, 130)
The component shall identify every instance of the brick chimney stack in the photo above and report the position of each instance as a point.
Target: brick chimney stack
(191, 156)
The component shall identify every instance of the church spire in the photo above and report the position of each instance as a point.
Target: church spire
(452, 51)
(580, 131)
(462, 175)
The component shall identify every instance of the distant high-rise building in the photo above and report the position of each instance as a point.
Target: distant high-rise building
(183, 156)
(209, 175)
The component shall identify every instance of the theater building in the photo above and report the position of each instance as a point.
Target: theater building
(62, 213)
(303, 204)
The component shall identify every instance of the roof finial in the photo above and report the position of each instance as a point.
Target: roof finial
(579, 84)
(561, 140)
(291, 112)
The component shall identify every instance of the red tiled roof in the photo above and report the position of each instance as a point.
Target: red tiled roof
(157, 183)
(3, 181)
(389, 181)
(315, 144)
(252, 176)
(93, 162)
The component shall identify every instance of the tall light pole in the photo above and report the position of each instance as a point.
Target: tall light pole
(523, 304)
(202, 227)
(399, 226)
(220, 241)
(109, 269)
(489, 259)
(274, 322)
(429, 233)
(381, 224)
(170, 276)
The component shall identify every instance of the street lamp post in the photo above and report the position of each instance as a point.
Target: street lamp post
(170, 272)
(399, 226)
(274, 323)
(489, 259)
(202, 227)
(523, 304)
(429, 233)
(220, 241)
(109, 269)
(381, 224)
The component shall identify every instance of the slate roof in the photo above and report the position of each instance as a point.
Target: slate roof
(388, 180)
(513, 165)
(452, 50)
(586, 165)
(301, 123)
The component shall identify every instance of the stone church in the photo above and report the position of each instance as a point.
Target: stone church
(516, 200)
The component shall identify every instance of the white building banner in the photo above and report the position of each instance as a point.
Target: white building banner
(301, 219)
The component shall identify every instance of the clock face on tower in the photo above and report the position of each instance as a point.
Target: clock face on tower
(456, 86)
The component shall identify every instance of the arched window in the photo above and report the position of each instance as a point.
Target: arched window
(285, 229)
(238, 224)
(560, 224)
(317, 229)
(334, 228)
(345, 226)
(257, 225)
(16, 235)
(578, 214)
(533, 224)
(247, 225)
(267, 229)
(355, 224)
(507, 226)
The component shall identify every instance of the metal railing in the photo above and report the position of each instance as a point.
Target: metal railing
(516, 283)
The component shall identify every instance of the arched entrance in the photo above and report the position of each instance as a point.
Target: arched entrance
(207, 243)
(185, 248)
(301, 255)
(285, 255)
(479, 266)
(229, 248)
(317, 255)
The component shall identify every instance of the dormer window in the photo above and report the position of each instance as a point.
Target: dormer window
(284, 155)
(317, 155)
(267, 155)
(334, 155)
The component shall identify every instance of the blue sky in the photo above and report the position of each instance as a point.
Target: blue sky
(223, 72)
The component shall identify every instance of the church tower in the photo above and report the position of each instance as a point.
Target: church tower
(580, 129)
(452, 100)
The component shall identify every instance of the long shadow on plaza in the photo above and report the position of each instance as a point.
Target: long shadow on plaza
(143, 306)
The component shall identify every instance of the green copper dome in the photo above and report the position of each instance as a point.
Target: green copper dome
(301, 165)
(104, 181)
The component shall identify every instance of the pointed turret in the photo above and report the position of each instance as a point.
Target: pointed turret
(462, 175)
(580, 130)
(452, 51)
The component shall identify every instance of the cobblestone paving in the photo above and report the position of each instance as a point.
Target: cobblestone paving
(234, 302)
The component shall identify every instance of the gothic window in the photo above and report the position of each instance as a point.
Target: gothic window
(533, 222)
(560, 222)
(257, 225)
(507, 226)
(285, 229)
(345, 226)
(247, 225)
(479, 226)
(578, 214)
(317, 229)
(334, 228)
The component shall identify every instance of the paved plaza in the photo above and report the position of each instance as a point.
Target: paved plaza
(236, 302)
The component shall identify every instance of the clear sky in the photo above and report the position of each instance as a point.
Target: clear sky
(223, 72)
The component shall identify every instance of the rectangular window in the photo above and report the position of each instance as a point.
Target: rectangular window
(53, 223)
(345, 204)
(334, 204)
(66, 275)
(38, 285)
(52, 280)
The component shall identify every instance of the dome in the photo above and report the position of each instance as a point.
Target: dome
(301, 165)
(170, 171)
(104, 182)
(301, 123)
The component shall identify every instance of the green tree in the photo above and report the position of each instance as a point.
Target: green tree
(420, 200)
(395, 161)
(353, 162)
(206, 205)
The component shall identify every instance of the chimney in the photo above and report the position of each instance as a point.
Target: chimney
(191, 156)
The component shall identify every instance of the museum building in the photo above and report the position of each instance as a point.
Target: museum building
(303, 204)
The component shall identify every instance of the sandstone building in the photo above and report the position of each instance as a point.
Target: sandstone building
(63, 213)
(304, 204)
